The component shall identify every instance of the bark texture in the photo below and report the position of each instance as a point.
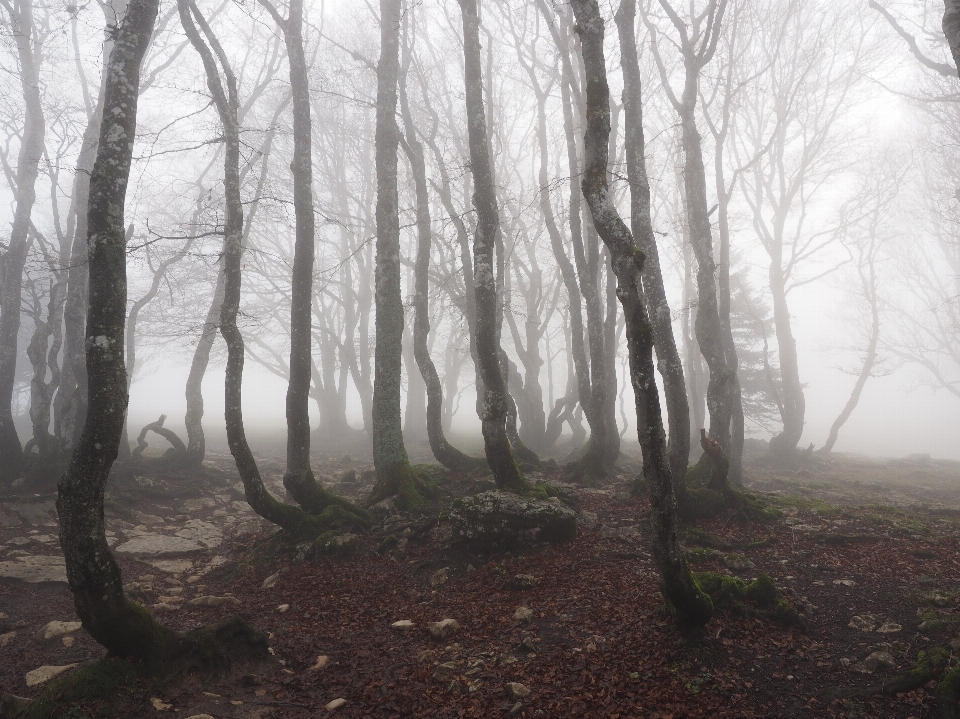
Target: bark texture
(668, 356)
(951, 28)
(123, 627)
(494, 403)
(692, 606)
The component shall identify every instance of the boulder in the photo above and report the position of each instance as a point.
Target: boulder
(500, 520)
(443, 629)
(55, 629)
(880, 661)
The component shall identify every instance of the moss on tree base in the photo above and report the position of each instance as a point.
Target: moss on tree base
(414, 490)
(759, 598)
(335, 512)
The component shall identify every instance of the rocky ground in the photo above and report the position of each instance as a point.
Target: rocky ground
(411, 624)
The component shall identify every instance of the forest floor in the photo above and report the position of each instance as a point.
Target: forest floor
(862, 545)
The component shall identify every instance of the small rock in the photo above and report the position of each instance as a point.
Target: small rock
(46, 673)
(889, 628)
(523, 614)
(863, 623)
(68, 641)
(335, 704)
(55, 629)
(200, 716)
(270, 581)
(517, 691)
(439, 577)
(443, 672)
(164, 607)
(880, 661)
(522, 581)
(5, 639)
(738, 563)
(283, 608)
(321, 662)
(208, 601)
(443, 629)
(845, 582)
(402, 625)
(159, 704)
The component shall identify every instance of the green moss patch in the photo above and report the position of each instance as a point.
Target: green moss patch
(759, 598)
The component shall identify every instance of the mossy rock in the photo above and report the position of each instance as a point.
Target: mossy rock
(759, 598)
(498, 521)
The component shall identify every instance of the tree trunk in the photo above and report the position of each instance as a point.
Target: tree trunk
(692, 606)
(794, 403)
(951, 28)
(193, 419)
(494, 403)
(448, 455)
(668, 357)
(124, 628)
(11, 267)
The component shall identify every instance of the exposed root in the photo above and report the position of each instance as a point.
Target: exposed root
(177, 450)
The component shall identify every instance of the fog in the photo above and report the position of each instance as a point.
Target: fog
(828, 162)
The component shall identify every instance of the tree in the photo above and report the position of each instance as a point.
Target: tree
(697, 45)
(493, 405)
(29, 49)
(693, 607)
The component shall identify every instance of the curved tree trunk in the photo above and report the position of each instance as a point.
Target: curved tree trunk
(693, 607)
(193, 419)
(448, 455)
(668, 356)
(11, 281)
(124, 628)
(494, 403)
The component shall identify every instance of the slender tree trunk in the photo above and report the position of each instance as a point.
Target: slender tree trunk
(794, 403)
(193, 419)
(866, 370)
(123, 627)
(668, 356)
(448, 455)
(693, 607)
(11, 281)
(494, 404)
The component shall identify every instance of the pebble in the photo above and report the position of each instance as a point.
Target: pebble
(523, 614)
(517, 691)
(335, 704)
(402, 625)
(443, 629)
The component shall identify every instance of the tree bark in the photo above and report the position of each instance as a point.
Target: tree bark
(124, 628)
(951, 28)
(692, 606)
(794, 403)
(448, 455)
(494, 403)
(13, 260)
(668, 356)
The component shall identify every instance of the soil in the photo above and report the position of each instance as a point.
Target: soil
(857, 536)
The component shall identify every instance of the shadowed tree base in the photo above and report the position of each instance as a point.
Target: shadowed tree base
(414, 490)
(208, 650)
(337, 512)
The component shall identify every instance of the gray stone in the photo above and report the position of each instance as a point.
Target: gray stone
(45, 674)
(403, 625)
(523, 614)
(889, 628)
(863, 622)
(880, 661)
(34, 569)
(199, 504)
(335, 704)
(439, 577)
(36, 512)
(204, 533)
(159, 546)
(444, 671)
(588, 519)
(443, 629)
(55, 629)
(738, 563)
(517, 691)
(8, 522)
(248, 526)
(500, 519)
(170, 566)
(214, 602)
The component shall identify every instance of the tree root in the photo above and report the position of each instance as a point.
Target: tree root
(759, 598)
(414, 490)
(338, 513)
(177, 450)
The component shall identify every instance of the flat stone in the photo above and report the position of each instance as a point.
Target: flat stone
(335, 704)
(246, 527)
(36, 512)
(517, 691)
(439, 577)
(20, 541)
(34, 569)
(443, 629)
(202, 532)
(863, 622)
(199, 504)
(200, 716)
(270, 581)
(55, 629)
(283, 608)
(889, 628)
(403, 625)
(523, 614)
(159, 546)
(46, 673)
(171, 566)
